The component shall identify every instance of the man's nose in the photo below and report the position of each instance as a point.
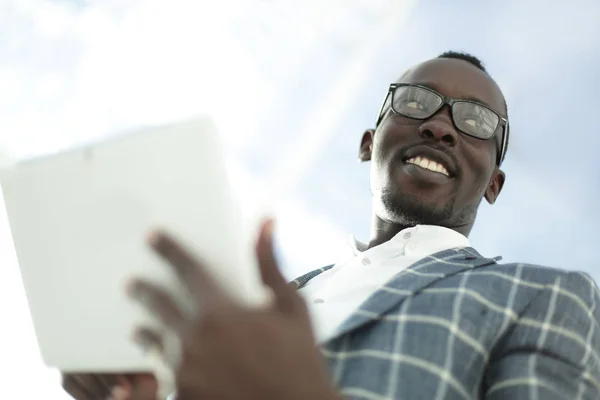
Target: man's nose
(440, 128)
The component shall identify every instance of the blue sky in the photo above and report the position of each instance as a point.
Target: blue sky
(547, 61)
(293, 86)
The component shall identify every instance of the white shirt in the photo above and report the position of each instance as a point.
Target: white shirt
(334, 295)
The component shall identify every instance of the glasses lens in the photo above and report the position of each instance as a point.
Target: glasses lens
(475, 120)
(415, 102)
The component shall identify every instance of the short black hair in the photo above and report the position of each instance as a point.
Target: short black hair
(458, 55)
(471, 59)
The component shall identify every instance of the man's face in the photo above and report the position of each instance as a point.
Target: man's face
(405, 193)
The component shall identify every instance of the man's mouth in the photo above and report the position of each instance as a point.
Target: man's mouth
(430, 165)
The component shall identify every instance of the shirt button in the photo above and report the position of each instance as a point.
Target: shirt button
(318, 301)
(406, 236)
(366, 261)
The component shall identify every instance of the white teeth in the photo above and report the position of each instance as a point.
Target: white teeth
(428, 164)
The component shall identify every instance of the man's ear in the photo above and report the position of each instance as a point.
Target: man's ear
(366, 145)
(495, 187)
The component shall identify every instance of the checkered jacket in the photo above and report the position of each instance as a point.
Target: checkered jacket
(457, 325)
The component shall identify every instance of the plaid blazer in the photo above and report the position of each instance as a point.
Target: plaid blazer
(457, 325)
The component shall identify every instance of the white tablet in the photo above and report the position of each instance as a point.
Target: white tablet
(79, 220)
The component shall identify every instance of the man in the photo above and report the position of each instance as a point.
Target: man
(417, 313)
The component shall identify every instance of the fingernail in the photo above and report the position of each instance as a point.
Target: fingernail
(148, 347)
(131, 288)
(139, 340)
(141, 295)
(119, 393)
(269, 227)
(155, 237)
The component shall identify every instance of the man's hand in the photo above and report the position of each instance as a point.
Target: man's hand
(110, 386)
(229, 351)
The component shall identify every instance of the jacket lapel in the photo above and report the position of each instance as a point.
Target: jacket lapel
(411, 280)
(299, 282)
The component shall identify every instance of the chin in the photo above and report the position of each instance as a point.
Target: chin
(415, 207)
(417, 182)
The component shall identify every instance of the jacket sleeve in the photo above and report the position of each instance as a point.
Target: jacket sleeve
(553, 350)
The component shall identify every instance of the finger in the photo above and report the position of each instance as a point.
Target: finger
(86, 386)
(122, 388)
(120, 393)
(145, 387)
(158, 302)
(98, 388)
(149, 340)
(161, 345)
(75, 389)
(99, 385)
(104, 383)
(188, 268)
(285, 296)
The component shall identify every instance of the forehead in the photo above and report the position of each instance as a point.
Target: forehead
(458, 79)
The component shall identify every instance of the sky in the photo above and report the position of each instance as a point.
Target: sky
(292, 87)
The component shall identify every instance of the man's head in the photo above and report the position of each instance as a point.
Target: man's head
(463, 142)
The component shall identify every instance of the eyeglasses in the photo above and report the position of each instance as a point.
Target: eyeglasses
(469, 117)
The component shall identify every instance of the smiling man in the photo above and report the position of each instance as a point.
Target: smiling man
(441, 136)
(416, 313)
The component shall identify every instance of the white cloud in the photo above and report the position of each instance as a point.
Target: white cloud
(305, 237)
(71, 74)
(116, 68)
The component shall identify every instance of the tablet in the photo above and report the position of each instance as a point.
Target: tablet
(79, 220)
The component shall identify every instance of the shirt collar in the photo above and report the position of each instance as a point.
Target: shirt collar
(425, 239)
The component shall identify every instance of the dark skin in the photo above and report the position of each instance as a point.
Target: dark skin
(230, 351)
(88, 386)
(403, 196)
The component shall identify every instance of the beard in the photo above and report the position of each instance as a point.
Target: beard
(410, 210)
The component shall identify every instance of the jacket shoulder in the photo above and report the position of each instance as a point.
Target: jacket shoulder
(540, 273)
(577, 283)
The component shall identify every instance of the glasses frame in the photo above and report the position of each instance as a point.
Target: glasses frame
(502, 119)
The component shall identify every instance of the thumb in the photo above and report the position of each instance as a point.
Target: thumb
(145, 387)
(286, 298)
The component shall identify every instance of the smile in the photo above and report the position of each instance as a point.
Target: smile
(430, 165)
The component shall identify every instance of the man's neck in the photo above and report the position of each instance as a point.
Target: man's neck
(382, 231)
